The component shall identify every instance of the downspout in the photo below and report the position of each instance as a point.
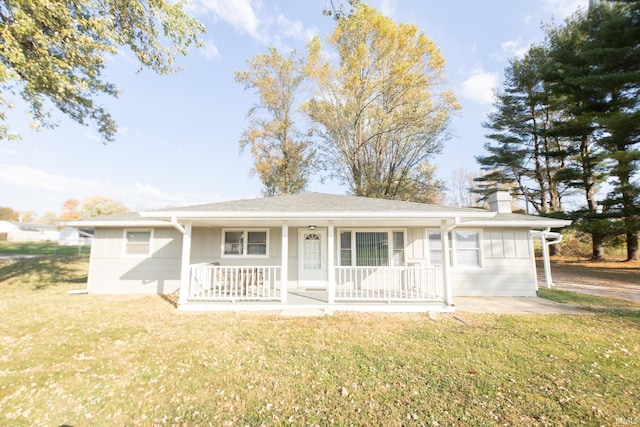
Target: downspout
(545, 252)
(174, 222)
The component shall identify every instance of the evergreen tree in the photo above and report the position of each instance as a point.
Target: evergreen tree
(520, 149)
(596, 77)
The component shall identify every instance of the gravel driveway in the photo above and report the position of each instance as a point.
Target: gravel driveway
(613, 280)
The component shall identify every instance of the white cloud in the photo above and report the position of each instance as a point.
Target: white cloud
(479, 86)
(210, 50)
(92, 136)
(249, 17)
(293, 29)
(564, 8)
(238, 13)
(36, 186)
(38, 179)
(514, 48)
(388, 7)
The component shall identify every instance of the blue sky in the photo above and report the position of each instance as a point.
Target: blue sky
(178, 138)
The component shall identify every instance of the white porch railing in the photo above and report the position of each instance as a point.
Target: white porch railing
(406, 284)
(208, 282)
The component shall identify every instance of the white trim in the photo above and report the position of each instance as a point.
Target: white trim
(331, 280)
(185, 262)
(284, 262)
(541, 223)
(245, 243)
(119, 223)
(125, 242)
(314, 215)
(446, 262)
(556, 238)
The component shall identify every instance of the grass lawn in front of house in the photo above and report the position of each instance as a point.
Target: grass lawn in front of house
(135, 360)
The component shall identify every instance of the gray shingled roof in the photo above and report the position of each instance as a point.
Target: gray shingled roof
(323, 204)
(319, 202)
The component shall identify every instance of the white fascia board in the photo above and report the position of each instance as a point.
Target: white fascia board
(121, 223)
(511, 224)
(312, 215)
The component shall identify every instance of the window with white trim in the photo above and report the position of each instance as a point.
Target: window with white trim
(434, 242)
(372, 248)
(467, 248)
(249, 243)
(137, 242)
(464, 248)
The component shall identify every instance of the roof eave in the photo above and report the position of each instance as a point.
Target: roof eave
(554, 223)
(118, 223)
(194, 215)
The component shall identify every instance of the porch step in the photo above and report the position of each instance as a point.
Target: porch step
(305, 312)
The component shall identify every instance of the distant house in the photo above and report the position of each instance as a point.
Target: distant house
(73, 236)
(27, 232)
(333, 251)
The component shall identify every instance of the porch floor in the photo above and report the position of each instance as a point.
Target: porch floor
(300, 299)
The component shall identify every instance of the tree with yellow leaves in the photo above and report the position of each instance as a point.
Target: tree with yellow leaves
(381, 108)
(282, 154)
(100, 206)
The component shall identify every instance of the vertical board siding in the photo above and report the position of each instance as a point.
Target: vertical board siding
(507, 244)
(114, 273)
(507, 269)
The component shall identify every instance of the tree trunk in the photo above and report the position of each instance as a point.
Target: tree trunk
(633, 254)
(597, 246)
(597, 239)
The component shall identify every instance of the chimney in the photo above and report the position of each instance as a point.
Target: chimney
(500, 201)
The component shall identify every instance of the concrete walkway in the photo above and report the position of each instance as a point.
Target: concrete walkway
(513, 305)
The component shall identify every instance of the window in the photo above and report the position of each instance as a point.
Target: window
(467, 248)
(464, 248)
(371, 248)
(252, 243)
(435, 246)
(137, 242)
(345, 248)
(398, 248)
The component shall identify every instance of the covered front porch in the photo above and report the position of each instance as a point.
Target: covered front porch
(412, 288)
(352, 264)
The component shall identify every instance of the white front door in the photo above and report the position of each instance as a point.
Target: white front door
(312, 258)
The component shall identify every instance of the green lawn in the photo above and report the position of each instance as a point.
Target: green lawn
(41, 248)
(85, 360)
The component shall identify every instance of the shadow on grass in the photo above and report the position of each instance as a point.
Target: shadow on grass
(42, 272)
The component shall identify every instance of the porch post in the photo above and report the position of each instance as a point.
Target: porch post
(284, 262)
(446, 262)
(185, 273)
(330, 266)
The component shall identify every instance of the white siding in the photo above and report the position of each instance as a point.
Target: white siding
(508, 268)
(415, 243)
(112, 272)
